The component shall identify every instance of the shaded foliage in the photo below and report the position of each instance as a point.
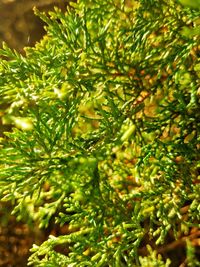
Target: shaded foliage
(105, 136)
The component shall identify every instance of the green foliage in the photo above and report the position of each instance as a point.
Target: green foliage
(192, 4)
(105, 131)
(192, 260)
(153, 260)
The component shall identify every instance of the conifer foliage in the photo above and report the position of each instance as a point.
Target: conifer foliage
(105, 133)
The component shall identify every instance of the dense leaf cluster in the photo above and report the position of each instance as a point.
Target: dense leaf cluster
(105, 131)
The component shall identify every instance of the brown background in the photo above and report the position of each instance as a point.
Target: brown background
(19, 26)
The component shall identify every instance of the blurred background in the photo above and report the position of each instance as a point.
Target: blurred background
(19, 26)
